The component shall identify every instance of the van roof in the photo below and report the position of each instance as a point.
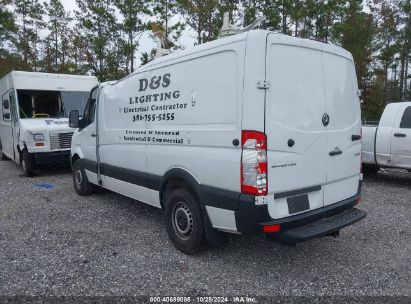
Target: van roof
(253, 34)
(49, 82)
(400, 103)
(49, 75)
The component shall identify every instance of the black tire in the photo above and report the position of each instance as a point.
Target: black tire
(27, 163)
(184, 221)
(370, 169)
(81, 184)
(2, 156)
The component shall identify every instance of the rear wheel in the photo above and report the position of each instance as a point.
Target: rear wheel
(184, 221)
(27, 163)
(81, 184)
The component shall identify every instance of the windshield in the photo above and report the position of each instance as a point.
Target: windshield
(74, 101)
(53, 104)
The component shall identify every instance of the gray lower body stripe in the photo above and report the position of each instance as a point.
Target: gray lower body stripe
(208, 195)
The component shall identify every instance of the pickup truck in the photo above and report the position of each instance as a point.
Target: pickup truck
(387, 143)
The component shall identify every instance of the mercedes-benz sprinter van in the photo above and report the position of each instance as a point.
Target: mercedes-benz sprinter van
(253, 133)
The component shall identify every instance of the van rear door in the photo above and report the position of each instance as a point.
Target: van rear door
(297, 149)
(343, 128)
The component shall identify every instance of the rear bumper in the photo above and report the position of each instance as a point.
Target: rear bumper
(323, 227)
(52, 158)
(251, 218)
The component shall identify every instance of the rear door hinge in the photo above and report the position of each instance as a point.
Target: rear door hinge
(263, 84)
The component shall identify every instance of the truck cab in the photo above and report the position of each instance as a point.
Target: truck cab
(34, 127)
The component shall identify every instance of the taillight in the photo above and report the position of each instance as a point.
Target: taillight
(272, 228)
(254, 163)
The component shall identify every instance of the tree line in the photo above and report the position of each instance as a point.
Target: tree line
(104, 35)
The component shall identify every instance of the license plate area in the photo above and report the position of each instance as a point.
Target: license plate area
(298, 203)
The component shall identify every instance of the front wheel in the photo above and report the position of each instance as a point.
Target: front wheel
(184, 221)
(81, 184)
(27, 163)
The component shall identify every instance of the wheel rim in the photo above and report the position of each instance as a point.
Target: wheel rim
(78, 177)
(182, 219)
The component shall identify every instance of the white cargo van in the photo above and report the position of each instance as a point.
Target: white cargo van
(387, 143)
(252, 133)
(33, 122)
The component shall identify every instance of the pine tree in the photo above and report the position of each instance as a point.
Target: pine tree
(29, 15)
(164, 11)
(356, 33)
(269, 9)
(98, 25)
(387, 34)
(201, 16)
(7, 27)
(134, 13)
(58, 21)
(404, 43)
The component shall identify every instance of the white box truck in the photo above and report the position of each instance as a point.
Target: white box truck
(253, 133)
(387, 143)
(34, 127)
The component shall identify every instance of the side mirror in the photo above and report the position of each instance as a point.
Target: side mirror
(6, 116)
(6, 104)
(74, 119)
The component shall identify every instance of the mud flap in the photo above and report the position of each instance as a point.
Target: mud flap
(214, 237)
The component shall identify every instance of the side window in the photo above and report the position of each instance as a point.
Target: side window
(89, 111)
(6, 108)
(406, 119)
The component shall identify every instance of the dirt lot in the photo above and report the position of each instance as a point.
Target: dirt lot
(53, 242)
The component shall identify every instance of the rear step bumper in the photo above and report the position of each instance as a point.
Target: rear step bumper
(251, 218)
(322, 227)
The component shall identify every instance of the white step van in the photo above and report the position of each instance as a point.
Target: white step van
(34, 127)
(387, 143)
(256, 132)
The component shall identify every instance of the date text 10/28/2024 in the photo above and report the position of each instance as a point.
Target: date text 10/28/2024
(203, 299)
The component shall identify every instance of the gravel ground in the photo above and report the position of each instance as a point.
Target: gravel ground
(55, 243)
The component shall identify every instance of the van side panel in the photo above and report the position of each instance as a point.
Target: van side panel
(122, 151)
(6, 138)
(171, 115)
(210, 86)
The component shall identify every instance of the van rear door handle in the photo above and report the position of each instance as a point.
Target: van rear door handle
(355, 137)
(93, 135)
(400, 135)
(335, 152)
